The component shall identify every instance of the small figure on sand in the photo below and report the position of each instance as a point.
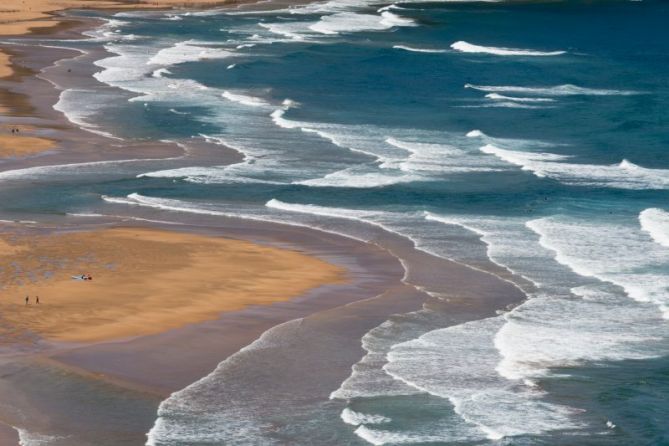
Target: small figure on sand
(27, 300)
(37, 300)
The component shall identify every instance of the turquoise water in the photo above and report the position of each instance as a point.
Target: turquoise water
(529, 137)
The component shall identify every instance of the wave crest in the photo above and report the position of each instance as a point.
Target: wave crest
(466, 47)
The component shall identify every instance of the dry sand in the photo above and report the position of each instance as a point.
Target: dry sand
(145, 281)
(21, 144)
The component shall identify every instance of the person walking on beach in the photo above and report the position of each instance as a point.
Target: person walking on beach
(27, 299)
(37, 300)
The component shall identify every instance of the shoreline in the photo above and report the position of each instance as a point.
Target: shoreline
(161, 363)
(157, 365)
(146, 281)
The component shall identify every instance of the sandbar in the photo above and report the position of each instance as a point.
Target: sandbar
(144, 281)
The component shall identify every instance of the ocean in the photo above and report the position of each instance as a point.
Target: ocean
(526, 140)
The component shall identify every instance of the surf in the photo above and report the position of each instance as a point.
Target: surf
(466, 47)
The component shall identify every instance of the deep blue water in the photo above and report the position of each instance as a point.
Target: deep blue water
(546, 140)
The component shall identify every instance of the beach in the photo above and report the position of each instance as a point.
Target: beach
(143, 282)
(164, 307)
(18, 17)
(332, 223)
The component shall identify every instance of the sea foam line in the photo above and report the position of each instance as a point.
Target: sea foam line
(417, 50)
(558, 90)
(466, 47)
(656, 222)
(500, 97)
(624, 175)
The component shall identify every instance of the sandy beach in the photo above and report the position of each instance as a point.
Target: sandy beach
(17, 145)
(143, 281)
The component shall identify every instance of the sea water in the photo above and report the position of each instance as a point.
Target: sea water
(524, 139)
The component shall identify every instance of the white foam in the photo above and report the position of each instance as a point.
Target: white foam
(656, 222)
(195, 414)
(379, 437)
(188, 51)
(391, 20)
(290, 30)
(625, 175)
(245, 99)
(277, 117)
(369, 380)
(570, 331)
(86, 214)
(136, 199)
(417, 50)
(458, 363)
(523, 159)
(488, 368)
(506, 104)
(318, 210)
(434, 159)
(354, 418)
(500, 97)
(27, 438)
(347, 22)
(160, 72)
(409, 155)
(590, 254)
(503, 243)
(358, 177)
(467, 47)
(80, 112)
(558, 90)
(88, 168)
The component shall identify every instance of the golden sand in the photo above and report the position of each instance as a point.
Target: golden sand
(145, 281)
(22, 144)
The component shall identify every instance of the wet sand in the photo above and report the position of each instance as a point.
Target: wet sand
(8, 435)
(312, 354)
(147, 369)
